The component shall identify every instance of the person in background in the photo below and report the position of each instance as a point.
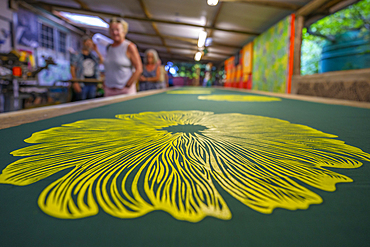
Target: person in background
(163, 78)
(122, 63)
(207, 81)
(151, 71)
(170, 79)
(85, 65)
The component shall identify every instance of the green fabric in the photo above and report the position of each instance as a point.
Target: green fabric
(341, 220)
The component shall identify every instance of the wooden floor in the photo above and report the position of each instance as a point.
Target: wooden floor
(32, 115)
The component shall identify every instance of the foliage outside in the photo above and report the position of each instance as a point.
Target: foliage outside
(355, 17)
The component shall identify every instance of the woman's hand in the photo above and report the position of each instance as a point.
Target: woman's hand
(142, 78)
(76, 87)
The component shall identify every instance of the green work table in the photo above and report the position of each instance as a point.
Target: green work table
(188, 167)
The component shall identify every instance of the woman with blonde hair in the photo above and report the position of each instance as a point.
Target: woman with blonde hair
(151, 71)
(122, 64)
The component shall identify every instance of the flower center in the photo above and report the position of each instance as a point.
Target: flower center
(184, 128)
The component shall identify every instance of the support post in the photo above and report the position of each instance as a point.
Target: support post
(299, 24)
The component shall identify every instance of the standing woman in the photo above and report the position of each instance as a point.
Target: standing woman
(122, 57)
(151, 74)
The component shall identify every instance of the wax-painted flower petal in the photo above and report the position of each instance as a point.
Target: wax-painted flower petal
(169, 161)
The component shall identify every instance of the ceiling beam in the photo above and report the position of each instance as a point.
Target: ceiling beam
(182, 39)
(182, 57)
(186, 40)
(194, 49)
(213, 24)
(154, 25)
(275, 4)
(217, 44)
(178, 57)
(341, 5)
(214, 21)
(328, 9)
(138, 43)
(190, 25)
(329, 4)
(311, 7)
(144, 34)
(82, 4)
(336, 5)
(145, 19)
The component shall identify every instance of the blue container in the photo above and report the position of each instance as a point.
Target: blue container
(350, 51)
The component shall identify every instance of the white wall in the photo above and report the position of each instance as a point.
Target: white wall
(4, 10)
(6, 16)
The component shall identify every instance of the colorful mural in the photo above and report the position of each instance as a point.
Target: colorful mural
(229, 66)
(5, 37)
(247, 52)
(53, 74)
(271, 58)
(26, 30)
(247, 63)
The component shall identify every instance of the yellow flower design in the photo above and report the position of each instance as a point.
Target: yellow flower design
(238, 98)
(190, 92)
(170, 161)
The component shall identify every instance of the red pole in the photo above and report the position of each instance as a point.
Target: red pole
(291, 53)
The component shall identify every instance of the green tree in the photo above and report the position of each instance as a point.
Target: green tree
(189, 69)
(354, 17)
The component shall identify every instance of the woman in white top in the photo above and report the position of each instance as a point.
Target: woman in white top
(122, 63)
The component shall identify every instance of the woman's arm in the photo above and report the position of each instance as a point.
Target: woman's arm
(101, 59)
(152, 79)
(75, 85)
(134, 56)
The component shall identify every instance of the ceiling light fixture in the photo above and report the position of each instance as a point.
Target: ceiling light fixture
(87, 20)
(202, 38)
(99, 38)
(208, 42)
(198, 56)
(212, 2)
